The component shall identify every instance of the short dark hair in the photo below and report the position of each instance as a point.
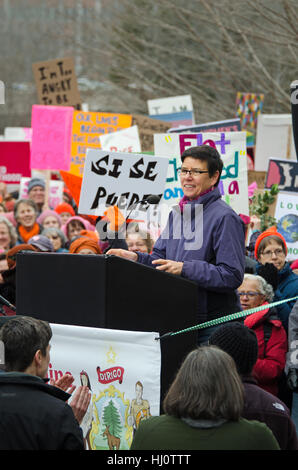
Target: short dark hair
(22, 337)
(208, 154)
(207, 386)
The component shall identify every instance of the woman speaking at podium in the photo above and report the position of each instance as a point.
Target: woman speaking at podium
(203, 240)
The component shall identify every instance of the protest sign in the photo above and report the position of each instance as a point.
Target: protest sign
(56, 83)
(55, 193)
(14, 162)
(286, 213)
(284, 173)
(51, 137)
(274, 139)
(120, 179)
(126, 140)
(122, 370)
(18, 133)
(86, 132)
(147, 127)
(178, 110)
(232, 148)
(228, 125)
(248, 108)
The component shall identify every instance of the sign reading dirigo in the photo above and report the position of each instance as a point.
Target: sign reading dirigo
(86, 131)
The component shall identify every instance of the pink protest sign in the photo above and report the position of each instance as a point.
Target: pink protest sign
(51, 137)
(14, 161)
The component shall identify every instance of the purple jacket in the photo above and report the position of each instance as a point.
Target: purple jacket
(217, 266)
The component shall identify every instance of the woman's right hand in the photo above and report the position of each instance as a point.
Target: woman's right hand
(123, 253)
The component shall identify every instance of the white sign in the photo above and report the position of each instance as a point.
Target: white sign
(173, 104)
(122, 370)
(232, 148)
(18, 133)
(274, 139)
(286, 213)
(126, 140)
(55, 191)
(120, 179)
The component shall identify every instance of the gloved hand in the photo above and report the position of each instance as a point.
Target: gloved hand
(270, 273)
(292, 380)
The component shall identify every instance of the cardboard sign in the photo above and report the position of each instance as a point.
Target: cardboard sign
(286, 213)
(232, 148)
(120, 179)
(125, 141)
(274, 139)
(56, 83)
(14, 162)
(283, 173)
(122, 371)
(51, 137)
(229, 125)
(88, 127)
(147, 128)
(248, 108)
(55, 195)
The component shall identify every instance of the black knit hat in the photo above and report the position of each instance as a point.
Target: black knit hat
(239, 342)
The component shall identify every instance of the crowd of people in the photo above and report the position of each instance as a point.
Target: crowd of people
(239, 388)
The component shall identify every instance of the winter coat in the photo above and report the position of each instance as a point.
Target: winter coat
(34, 415)
(272, 356)
(262, 406)
(216, 259)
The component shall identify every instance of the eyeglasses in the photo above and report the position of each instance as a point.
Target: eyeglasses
(249, 294)
(194, 172)
(269, 253)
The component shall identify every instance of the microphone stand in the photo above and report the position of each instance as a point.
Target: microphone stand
(3, 301)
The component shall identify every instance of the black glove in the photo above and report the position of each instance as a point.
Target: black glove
(270, 273)
(292, 379)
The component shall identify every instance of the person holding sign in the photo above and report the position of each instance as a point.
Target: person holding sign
(203, 240)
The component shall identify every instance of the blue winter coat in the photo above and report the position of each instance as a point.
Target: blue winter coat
(217, 266)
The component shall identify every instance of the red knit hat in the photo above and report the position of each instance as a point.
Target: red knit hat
(268, 233)
(64, 207)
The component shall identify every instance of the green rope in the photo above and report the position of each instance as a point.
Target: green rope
(232, 316)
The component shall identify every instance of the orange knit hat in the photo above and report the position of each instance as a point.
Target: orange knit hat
(268, 233)
(84, 242)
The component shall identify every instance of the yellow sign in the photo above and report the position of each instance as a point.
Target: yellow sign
(87, 128)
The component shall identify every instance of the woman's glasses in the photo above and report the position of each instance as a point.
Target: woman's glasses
(249, 294)
(269, 253)
(194, 172)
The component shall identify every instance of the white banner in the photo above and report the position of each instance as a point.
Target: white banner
(286, 214)
(232, 148)
(120, 179)
(122, 370)
(171, 104)
(126, 140)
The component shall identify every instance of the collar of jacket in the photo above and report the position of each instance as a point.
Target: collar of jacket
(206, 198)
(248, 379)
(20, 378)
(258, 318)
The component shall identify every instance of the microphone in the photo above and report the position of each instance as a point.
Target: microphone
(151, 199)
(3, 301)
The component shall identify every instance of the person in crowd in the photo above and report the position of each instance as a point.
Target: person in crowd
(2, 207)
(85, 245)
(65, 211)
(8, 234)
(241, 343)
(271, 252)
(37, 192)
(291, 369)
(49, 218)
(271, 335)
(33, 414)
(203, 410)
(207, 247)
(3, 266)
(25, 214)
(41, 243)
(139, 240)
(74, 225)
(57, 238)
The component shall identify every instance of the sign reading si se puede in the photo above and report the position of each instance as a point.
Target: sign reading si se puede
(120, 179)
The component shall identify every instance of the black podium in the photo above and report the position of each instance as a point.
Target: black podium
(110, 292)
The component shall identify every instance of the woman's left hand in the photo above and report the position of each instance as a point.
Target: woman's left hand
(169, 266)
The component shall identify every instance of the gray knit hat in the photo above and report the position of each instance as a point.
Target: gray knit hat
(36, 182)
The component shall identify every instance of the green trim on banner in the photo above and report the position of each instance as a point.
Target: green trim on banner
(232, 316)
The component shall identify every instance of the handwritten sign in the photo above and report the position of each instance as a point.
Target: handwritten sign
(284, 173)
(88, 127)
(125, 141)
(147, 127)
(120, 179)
(14, 162)
(56, 83)
(51, 137)
(232, 148)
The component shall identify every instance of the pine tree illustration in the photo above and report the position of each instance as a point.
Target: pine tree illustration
(111, 418)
